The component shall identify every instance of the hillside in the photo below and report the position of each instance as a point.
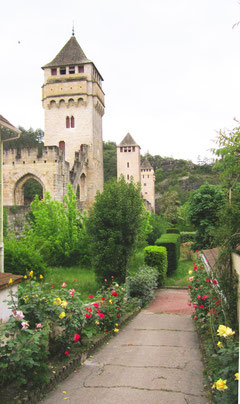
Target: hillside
(171, 174)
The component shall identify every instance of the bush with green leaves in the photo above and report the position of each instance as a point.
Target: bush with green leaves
(155, 256)
(173, 230)
(158, 225)
(186, 236)
(172, 244)
(143, 284)
(113, 225)
(21, 257)
(58, 230)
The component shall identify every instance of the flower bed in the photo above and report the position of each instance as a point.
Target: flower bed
(53, 327)
(219, 342)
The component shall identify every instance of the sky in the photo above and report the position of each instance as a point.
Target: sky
(170, 67)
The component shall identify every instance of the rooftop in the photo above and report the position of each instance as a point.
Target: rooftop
(128, 141)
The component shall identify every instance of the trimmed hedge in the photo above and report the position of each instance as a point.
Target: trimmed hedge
(156, 257)
(172, 230)
(143, 284)
(186, 236)
(172, 243)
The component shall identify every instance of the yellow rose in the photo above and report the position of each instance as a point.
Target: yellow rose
(219, 344)
(10, 281)
(220, 385)
(190, 272)
(64, 304)
(97, 322)
(229, 332)
(25, 276)
(62, 315)
(31, 273)
(110, 301)
(57, 301)
(224, 331)
(236, 376)
(41, 277)
(116, 330)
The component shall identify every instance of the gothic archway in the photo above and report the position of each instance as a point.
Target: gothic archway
(26, 188)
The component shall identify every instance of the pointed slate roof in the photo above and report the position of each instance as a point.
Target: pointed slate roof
(70, 54)
(128, 141)
(146, 164)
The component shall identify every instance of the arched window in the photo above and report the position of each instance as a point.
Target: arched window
(67, 122)
(72, 122)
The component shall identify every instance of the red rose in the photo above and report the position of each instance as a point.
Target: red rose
(76, 337)
(118, 308)
(103, 298)
(88, 315)
(201, 306)
(118, 315)
(204, 297)
(208, 280)
(215, 281)
(101, 315)
(114, 293)
(96, 305)
(90, 296)
(66, 353)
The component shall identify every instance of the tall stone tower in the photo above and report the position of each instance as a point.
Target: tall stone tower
(128, 159)
(73, 102)
(148, 183)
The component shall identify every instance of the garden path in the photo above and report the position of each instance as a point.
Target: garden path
(155, 359)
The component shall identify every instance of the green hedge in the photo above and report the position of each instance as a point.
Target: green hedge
(155, 256)
(143, 284)
(172, 231)
(172, 243)
(186, 236)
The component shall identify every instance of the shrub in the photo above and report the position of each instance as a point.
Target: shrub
(158, 226)
(114, 222)
(143, 284)
(19, 257)
(172, 244)
(157, 257)
(186, 236)
(172, 231)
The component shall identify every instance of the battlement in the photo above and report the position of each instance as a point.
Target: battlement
(33, 155)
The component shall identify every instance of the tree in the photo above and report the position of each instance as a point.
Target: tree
(168, 205)
(114, 221)
(109, 161)
(203, 208)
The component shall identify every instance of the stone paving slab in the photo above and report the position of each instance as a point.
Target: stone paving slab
(155, 359)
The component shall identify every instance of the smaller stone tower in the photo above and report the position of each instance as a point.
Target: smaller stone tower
(147, 183)
(128, 159)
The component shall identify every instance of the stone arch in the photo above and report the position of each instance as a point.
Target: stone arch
(61, 103)
(19, 187)
(53, 104)
(80, 101)
(71, 102)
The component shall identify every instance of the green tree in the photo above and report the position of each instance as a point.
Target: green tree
(114, 221)
(58, 230)
(28, 138)
(158, 226)
(168, 204)
(203, 210)
(109, 161)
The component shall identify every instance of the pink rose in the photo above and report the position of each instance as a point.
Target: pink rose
(76, 337)
(63, 285)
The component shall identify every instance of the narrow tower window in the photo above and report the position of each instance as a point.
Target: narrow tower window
(128, 177)
(127, 165)
(72, 122)
(67, 122)
(54, 71)
(71, 69)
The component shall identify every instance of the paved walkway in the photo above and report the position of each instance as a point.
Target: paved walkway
(155, 360)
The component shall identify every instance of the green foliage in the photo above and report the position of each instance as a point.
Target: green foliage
(203, 208)
(172, 244)
(31, 189)
(172, 230)
(167, 205)
(114, 221)
(58, 230)
(5, 222)
(186, 236)
(157, 257)
(109, 161)
(20, 257)
(28, 139)
(158, 225)
(218, 340)
(143, 284)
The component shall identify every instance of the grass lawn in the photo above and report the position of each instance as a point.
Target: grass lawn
(79, 278)
(181, 275)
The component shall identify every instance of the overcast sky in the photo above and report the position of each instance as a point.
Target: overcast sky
(170, 67)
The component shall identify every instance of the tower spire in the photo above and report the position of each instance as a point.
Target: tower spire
(73, 33)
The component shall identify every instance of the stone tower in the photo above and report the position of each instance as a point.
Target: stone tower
(73, 102)
(128, 159)
(148, 183)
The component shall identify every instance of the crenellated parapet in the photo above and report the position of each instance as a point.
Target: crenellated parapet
(33, 155)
